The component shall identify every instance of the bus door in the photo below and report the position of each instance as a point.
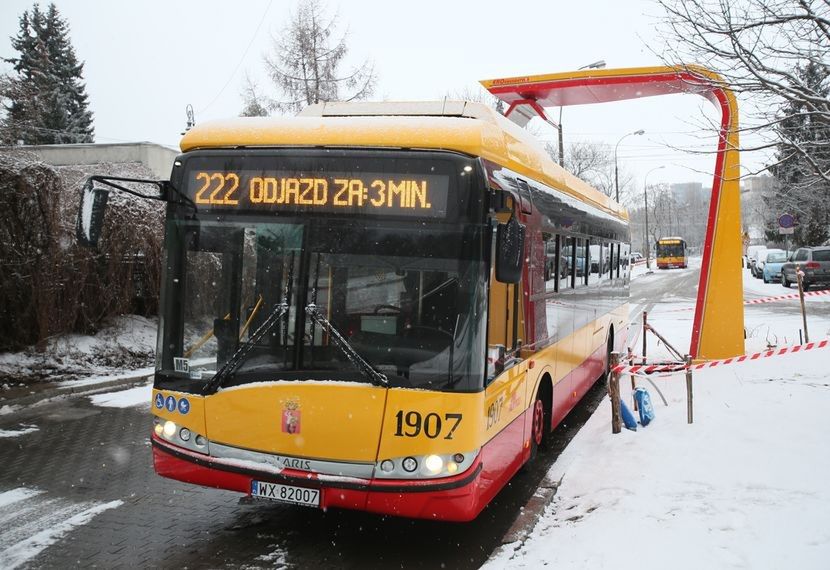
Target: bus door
(506, 392)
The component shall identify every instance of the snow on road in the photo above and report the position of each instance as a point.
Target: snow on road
(140, 395)
(30, 522)
(23, 430)
(744, 486)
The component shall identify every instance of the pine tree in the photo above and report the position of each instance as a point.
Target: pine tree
(45, 99)
(805, 127)
(255, 104)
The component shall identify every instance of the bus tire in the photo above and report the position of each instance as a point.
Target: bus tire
(540, 424)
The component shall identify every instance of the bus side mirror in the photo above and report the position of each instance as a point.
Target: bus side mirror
(91, 215)
(510, 247)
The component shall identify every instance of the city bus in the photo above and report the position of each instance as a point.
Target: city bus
(671, 252)
(375, 306)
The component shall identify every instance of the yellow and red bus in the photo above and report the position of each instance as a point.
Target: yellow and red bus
(359, 309)
(671, 252)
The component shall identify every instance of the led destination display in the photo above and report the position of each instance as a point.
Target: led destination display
(335, 192)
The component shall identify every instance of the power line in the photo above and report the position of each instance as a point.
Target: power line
(241, 59)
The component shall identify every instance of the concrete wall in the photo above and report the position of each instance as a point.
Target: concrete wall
(158, 158)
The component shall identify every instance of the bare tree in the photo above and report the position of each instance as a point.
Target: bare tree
(758, 46)
(479, 95)
(594, 163)
(306, 61)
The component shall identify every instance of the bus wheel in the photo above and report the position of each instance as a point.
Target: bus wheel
(537, 435)
(540, 422)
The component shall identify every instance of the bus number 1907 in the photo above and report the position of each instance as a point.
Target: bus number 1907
(412, 424)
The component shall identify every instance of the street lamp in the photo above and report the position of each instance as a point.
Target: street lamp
(645, 194)
(616, 170)
(599, 64)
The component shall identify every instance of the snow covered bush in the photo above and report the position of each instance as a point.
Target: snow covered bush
(50, 285)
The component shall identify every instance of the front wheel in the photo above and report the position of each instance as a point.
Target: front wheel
(537, 436)
(784, 281)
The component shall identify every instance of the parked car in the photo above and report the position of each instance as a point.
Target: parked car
(636, 256)
(752, 256)
(813, 261)
(772, 265)
(758, 270)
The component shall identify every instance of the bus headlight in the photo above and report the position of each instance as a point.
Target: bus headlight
(180, 435)
(169, 428)
(432, 466)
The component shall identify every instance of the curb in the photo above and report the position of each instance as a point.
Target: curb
(530, 513)
(34, 394)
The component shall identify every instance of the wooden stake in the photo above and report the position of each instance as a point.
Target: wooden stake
(689, 395)
(798, 274)
(614, 394)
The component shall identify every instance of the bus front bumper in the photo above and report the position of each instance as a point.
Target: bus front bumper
(448, 499)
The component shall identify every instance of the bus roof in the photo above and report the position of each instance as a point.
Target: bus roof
(463, 126)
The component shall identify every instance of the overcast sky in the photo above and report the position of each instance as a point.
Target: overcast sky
(145, 61)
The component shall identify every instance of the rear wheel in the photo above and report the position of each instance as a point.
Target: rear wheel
(784, 281)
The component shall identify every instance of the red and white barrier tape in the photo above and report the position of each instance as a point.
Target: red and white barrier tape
(786, 297)
(759, 301)
(675, 368)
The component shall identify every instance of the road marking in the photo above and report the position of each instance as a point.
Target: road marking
(31, 522)
(24, 429)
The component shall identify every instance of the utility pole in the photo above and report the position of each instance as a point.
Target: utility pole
(645, 195)
(616, 170)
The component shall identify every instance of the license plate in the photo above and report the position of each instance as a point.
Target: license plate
(286, 493)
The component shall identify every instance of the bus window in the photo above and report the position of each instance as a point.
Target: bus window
(581, 261)
(569, 257)
(599, 259)
(503, 326)
(234, 277)
(625, 261)
(609, 255)
(555, 266)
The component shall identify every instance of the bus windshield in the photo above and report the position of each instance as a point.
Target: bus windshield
(409, 301)
(673, 248)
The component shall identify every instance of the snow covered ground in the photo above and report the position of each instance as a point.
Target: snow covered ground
(127, 344)
(744, 486)
(31, 521)
(138, 396)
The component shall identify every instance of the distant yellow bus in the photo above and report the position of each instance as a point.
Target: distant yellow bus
(671, 252)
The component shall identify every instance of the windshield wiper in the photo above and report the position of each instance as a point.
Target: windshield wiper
(357, 361)
(279, 312)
